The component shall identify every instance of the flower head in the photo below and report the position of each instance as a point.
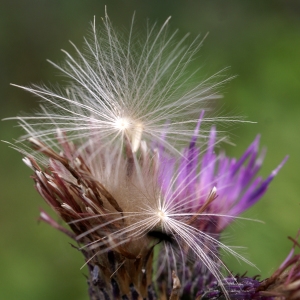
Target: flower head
(117, 211)
(106, 160)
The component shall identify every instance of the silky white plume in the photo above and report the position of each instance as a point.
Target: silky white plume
(127, 89)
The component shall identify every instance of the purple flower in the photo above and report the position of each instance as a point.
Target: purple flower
(110, 166)
(120, 207)
(187, 185)
(203, 193)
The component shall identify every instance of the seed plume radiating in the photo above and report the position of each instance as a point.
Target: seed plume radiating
(125, 91)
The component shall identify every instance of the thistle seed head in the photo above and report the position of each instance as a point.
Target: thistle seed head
(119, 155)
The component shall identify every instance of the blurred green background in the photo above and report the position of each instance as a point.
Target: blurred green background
(259, 40)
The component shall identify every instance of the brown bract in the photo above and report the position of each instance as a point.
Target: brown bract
(117, 266)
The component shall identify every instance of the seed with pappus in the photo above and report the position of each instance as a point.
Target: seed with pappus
(123, 156)
(125, 91)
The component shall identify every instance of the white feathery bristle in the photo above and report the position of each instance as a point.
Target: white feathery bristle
(122, 90)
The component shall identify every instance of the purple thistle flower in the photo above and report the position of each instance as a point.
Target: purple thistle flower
(114, 204)
(191, 181)
(110, 166)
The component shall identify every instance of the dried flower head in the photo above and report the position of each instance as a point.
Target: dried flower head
(120, 214)
(108, 160)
